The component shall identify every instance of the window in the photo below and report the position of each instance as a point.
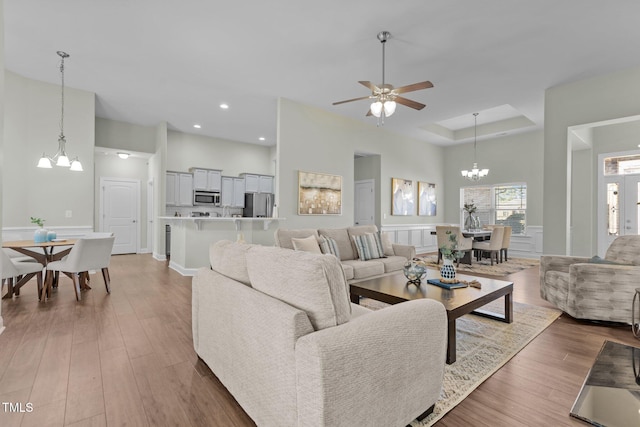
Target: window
(502, 204)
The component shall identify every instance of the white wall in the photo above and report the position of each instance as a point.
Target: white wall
(126, 136)
(587, 101)
(313, 140)
(2, 102)
(511, 158)
(185, 150)
(32, 117)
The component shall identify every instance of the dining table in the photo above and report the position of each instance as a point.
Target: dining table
(477, 235)
(44, 253)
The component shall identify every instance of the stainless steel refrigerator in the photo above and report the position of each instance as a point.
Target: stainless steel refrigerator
(258, 205)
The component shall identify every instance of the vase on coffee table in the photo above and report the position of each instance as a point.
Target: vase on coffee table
(448, 270)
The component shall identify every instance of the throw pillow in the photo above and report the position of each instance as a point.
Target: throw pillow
(329, 246)
(387, 243)
(368, 246)
(307, 244)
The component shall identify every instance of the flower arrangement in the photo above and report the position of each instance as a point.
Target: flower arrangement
(470, 207)
(37, 221)
(450, 250)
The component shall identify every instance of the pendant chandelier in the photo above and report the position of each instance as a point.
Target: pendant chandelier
(475, 174)
(61, 158)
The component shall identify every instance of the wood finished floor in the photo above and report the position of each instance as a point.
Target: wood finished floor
(127, 359)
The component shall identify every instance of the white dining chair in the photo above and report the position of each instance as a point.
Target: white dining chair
(87, 254)
(16, 274)
(492, 246)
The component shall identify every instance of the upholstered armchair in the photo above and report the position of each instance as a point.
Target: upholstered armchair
(594, 288)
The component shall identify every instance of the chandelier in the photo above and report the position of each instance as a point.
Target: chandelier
(61, 158)
(475, 174)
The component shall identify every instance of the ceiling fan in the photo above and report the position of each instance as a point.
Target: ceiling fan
(385, 95)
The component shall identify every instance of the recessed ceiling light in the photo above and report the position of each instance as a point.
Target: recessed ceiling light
(123, 155)
(224, 106)
(262, 138)
(197, 126)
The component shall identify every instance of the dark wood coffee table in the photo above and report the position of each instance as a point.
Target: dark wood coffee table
(393, 289)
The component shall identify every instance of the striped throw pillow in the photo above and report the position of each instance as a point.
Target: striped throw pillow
(329, 246)
(368, 246)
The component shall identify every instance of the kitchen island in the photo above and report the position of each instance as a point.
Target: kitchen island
(192, 236)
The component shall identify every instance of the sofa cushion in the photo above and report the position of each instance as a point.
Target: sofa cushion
(329, 246)
(283, 236)
(228, 258)
(307, 244)
(313, 283)
(368, 246)
(393, 263)
(341, 236)
(364, 269)
(359, 230)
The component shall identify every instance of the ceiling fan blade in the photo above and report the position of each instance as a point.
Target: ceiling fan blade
(409, 103)
(415, 86)
(371, 86)
(351, 100)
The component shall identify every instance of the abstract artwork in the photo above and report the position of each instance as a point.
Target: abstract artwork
(319, 194)
(426, 199)
(402, 197)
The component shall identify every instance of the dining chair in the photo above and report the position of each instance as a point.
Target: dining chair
(87, 254)
(493, 245)
(464, 243)
(506, 241)
(17, 273)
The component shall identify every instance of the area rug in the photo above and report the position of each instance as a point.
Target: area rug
(484, 267)
(483, 347)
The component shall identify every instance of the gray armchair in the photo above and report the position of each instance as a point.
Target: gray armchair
(594, 289)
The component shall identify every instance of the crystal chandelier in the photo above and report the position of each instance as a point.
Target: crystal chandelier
(475, 174)
(61, 158)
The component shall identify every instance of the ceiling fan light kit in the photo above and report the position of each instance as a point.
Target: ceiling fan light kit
(385, 97)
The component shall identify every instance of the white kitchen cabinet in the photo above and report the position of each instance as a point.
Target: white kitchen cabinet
(251, 183)
(171, 189)
(265, 184)
(206, 179)
(226, 195)
(185, 185)
(239, 185)
(179, 189)
(233, 191)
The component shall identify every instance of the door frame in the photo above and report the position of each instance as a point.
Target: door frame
(601, 214)
(101, 209)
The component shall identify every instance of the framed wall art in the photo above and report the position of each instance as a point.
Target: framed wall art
(402, 197)
(319, 194)
(426, 199)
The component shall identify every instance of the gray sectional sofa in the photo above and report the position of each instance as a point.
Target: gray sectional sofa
(277, 329)
(354, 268)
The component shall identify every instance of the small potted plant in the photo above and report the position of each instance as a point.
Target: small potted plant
(450, 252)
(40, 235)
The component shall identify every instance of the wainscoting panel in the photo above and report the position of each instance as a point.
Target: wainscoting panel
(528, 245)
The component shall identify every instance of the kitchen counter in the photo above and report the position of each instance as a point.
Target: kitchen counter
(191, 237)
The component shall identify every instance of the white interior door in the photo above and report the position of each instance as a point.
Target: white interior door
(120, 199)
(364, 206)
(150, 215)
(631, 204)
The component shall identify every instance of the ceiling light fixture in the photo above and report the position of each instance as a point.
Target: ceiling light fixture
(384, 104)
(475, 174)
(197, 126)
(262, 138)
(224, 106)
(61, 158)
(123, 156)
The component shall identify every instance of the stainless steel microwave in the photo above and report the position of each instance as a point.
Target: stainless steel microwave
(206, 198)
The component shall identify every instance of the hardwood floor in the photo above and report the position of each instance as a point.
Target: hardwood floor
(128, 359)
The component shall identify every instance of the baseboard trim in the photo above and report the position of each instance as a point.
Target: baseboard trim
(182, 270)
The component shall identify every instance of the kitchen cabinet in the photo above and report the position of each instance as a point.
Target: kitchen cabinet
(258, 183)
(206, 179)
(179, 189)
(233, 191)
